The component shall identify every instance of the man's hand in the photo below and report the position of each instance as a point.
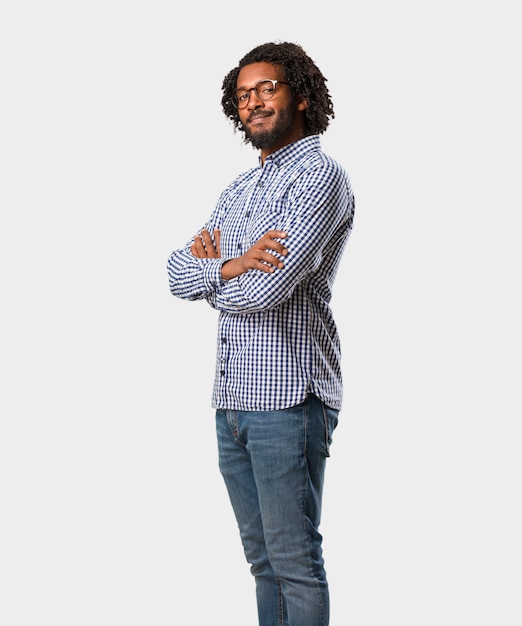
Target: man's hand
(203, 246)
(259, 257)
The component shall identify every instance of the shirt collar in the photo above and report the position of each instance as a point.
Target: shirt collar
(289, 153)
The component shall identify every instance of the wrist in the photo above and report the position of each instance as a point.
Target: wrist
(230, 269)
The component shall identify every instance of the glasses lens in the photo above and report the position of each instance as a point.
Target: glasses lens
(241, 99)
(265, 89)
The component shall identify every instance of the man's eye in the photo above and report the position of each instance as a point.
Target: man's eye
(242, 96)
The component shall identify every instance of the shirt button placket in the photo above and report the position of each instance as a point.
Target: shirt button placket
(223, 357)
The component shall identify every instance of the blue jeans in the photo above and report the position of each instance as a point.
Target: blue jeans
(273, 464)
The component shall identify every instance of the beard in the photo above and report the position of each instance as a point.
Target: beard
(265, 138)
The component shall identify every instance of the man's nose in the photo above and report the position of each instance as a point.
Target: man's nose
(254, 100)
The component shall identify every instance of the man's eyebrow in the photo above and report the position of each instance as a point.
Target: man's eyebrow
(256, 83)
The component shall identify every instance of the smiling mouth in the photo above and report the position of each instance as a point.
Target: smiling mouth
(255, 117)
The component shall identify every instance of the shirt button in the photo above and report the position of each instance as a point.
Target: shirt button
(247, 214)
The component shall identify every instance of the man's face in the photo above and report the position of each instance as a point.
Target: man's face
(269, 124)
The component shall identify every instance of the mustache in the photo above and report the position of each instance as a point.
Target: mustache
(255, 114)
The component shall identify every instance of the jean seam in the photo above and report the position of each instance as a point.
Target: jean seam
(326, 429)
(280, 606)
(233, 424)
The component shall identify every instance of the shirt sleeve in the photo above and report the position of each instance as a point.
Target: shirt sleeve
(319, 211)
(191, 278)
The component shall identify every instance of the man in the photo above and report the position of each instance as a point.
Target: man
(266, 260)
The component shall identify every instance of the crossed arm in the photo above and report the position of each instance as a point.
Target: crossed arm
(258, 257)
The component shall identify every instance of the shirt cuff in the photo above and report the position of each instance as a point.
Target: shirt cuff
(212, 274)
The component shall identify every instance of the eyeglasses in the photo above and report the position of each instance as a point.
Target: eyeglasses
(265, 90)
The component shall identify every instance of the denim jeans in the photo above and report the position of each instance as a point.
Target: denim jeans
(273, 464)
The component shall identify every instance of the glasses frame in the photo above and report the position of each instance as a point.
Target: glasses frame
(235, 101)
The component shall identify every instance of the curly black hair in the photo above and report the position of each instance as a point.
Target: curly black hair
(299, 70)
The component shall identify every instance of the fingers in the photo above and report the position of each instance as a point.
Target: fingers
(197, 248)
(269, 240)
(267, 262)
(262, 255)
(203, 247)
(276, 234)
(209, 244)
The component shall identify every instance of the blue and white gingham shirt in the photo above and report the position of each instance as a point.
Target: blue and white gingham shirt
(277, 340)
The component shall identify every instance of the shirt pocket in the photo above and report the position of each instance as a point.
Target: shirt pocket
(271, 215)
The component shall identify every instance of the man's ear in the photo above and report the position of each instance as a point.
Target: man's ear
(302, 105)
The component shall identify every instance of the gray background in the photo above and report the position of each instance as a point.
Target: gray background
(113, 152)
